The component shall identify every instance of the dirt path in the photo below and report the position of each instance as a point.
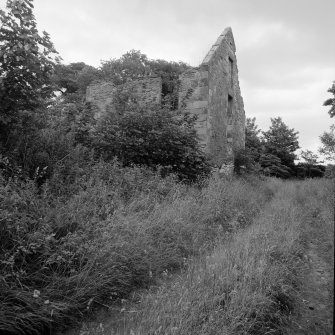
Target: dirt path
(316, 296)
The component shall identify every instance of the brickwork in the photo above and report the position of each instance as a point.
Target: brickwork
(212, 92)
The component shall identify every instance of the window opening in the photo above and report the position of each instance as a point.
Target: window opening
(230, 110)
(230, 106)
(231, 70)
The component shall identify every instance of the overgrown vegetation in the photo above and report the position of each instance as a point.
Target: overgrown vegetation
(39, 130)
(250, 283)
(116, 230)
(93, 209)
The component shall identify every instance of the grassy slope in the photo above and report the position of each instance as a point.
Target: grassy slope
(252, 282)
(71, 248)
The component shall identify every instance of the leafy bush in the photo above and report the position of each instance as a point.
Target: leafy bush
(152, 137)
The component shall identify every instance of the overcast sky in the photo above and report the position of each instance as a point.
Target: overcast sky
(285, 48)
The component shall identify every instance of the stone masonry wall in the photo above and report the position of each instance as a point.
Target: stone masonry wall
(146, 91)
(212, 93)
(193, 98)
(101, 95)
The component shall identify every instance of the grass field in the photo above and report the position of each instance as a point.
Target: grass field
(69, 248)
(253, 280)
(155, 256)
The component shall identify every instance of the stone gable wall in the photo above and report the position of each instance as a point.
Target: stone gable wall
(212, 93)
(193, 98)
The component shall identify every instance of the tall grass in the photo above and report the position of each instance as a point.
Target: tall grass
(248, 284)
(74, 246)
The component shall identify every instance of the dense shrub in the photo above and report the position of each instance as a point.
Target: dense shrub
(305, 170)
(152, 137)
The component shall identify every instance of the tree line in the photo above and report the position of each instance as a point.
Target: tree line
(274, 152)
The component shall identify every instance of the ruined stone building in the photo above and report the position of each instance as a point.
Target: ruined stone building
(147, 90)
(210, 91)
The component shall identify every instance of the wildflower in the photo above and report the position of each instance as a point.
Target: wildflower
(36, 293)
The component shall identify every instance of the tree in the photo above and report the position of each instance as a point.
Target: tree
(331, 101)
(249, 157)
(309, 157)
(272, 166)
(310, 167)
(132, 65)
(282, 142)
(252, 137)
(328, 144)
(27, 60)
(328, 138)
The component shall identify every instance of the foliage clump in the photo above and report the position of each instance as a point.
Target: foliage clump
(27, 60)
(331, 101)
(270, 152)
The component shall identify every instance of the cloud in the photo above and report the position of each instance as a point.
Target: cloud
(261, 34)
(300, 105)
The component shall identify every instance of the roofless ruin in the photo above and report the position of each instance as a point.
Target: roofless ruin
(210, 91)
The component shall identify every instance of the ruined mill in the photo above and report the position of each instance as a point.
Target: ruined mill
(210, 91)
